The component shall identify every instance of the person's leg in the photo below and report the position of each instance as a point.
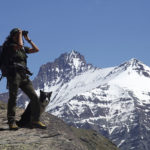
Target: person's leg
(33, 107)
(13, 85)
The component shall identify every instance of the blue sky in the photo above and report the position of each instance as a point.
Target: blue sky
(106, 32)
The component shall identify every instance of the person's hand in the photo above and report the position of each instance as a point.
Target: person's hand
(26, 37)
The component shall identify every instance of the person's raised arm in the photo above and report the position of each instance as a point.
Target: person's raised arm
(34, 47)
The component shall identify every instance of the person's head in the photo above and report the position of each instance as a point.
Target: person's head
(14, 34)
(12, 37)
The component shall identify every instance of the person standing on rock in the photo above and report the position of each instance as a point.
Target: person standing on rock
(15, 70)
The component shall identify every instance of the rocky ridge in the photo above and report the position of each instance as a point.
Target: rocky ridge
(57, 136)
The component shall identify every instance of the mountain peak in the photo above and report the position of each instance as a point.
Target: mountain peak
(75, 59)
(73, 53)
(133, 62)
(68, 57)
(64, 68)
(131, 66)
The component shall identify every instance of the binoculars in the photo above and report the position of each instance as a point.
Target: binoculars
(24, 32)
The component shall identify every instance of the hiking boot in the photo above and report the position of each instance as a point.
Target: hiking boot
(13, 126)
(38, 124)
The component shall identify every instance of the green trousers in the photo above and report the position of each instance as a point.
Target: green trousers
(23, 82)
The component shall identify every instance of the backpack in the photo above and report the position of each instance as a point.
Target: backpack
(2, 58)
(6, 60)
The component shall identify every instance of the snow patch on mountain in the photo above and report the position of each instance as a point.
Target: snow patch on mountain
(79, 84)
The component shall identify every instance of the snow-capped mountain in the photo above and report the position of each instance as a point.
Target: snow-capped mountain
(63, 69)
(114, 101)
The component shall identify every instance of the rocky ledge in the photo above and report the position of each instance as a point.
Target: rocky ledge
(57, 136)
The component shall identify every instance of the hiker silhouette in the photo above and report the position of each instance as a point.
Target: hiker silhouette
(14, 68)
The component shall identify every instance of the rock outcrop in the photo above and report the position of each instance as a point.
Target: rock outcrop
(57, 136)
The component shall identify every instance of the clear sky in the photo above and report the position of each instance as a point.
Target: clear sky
(106, 32)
